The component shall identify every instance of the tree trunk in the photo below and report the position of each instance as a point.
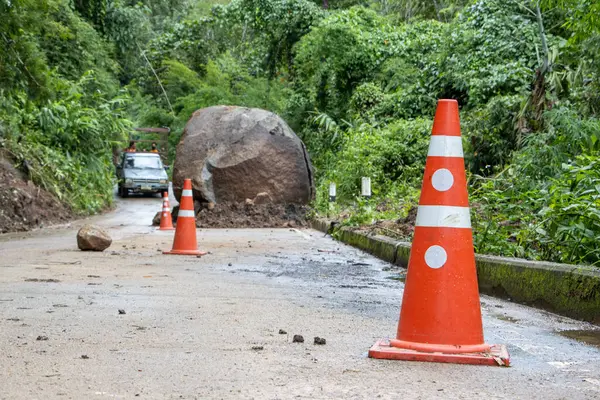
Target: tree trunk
(538, 95)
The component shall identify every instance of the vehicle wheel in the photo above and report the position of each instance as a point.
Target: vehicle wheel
(123, 192)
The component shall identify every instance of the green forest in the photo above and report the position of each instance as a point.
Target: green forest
(358, 81)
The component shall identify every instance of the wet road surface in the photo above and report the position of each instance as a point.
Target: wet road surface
(209, 327)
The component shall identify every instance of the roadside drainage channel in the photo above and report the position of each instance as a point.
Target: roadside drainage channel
(569, 290)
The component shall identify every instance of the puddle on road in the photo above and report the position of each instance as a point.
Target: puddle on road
(589, 336)
(507, 318)
(401, 277)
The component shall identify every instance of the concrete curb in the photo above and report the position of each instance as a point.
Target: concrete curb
(569, 290)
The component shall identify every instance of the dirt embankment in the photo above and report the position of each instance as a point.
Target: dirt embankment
(400, 229)
(247, 215)
(23, 205)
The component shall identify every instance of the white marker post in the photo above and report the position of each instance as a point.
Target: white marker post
(332, 192)
(366, 187)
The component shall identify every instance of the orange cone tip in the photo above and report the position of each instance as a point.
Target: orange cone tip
(440, 317)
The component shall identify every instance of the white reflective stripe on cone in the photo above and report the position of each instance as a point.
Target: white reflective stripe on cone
(186, 192)
(166, 209)
(443, 217)
(185, 213)
(445, 146)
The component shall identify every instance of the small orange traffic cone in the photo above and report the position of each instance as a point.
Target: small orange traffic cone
(440, 318)
(166, 221)
(185, 242)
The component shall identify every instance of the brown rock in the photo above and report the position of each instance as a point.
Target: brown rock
(263, 198)
(249, 202)
(320, 341)
(156, 219)
(93, 238)
(298, 339)
(235, 153)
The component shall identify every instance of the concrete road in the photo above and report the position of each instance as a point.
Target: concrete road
(208, 328)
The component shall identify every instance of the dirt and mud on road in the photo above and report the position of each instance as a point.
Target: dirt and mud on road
(131, 322)
(244, 215)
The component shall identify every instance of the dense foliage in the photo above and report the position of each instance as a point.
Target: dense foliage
(61, 107)
(357, 80)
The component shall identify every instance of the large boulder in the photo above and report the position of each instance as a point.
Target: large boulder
(235, 153)
(91, 237)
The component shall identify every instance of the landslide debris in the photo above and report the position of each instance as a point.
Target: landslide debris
(23, 205)
(93, 238)
(236, 153)
(249, 215)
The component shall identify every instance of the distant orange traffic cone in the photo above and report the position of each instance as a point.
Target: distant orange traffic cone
(185, 242)
(166, 221)
(440, 318)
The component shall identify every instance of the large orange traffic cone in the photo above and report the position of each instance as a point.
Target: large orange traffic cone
(440, 318)
(166, 221)
(185, 235)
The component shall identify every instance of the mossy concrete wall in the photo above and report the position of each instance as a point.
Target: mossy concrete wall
(569, 290)
(380, 246)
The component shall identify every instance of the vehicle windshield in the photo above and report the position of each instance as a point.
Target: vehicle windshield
(143, 162)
